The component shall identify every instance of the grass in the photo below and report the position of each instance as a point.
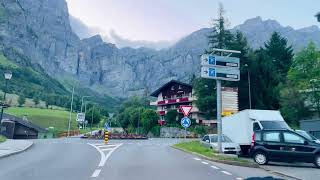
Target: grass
(196, 147)
(45, 117)
(2, 139)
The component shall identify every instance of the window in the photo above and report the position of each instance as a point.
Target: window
(292, 138)
(214, 138)
(205, 138)
(172, 88)
(256, 126)
(257, 136)
(274, 125)
(271, 136)
(180, 87)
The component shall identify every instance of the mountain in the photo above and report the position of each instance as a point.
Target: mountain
(41, 31)
(258, 31)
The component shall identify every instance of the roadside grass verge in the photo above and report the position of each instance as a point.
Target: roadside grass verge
(2, 139)
(45, 117)
(195, 147)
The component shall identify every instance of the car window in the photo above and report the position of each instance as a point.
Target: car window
(292, 138)
(271, 136)
(214, 138)
(257, 136)
(306, 135)
(205, 138)
(225, 139)
(274, 125)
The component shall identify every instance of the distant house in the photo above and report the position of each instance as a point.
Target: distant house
(17, 128)
(172, 95)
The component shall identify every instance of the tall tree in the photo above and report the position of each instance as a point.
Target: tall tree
(149, 119)
(21, 100)
(305, 74)
(281, 54)
(219, 37)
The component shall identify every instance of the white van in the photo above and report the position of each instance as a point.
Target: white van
(239, 127)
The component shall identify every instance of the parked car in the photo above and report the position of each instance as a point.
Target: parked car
(228, 147)
(283, 146)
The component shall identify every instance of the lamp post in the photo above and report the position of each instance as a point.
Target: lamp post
(7, 77)
(249, 85)
(82, 102)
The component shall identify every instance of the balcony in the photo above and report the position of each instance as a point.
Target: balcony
(170, 101)
(161, 113)
(173, 101)
(161, 102)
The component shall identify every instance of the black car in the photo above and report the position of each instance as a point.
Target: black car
(283, 146)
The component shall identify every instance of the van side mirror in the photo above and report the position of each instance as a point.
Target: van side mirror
(305, 143)
(207, 141)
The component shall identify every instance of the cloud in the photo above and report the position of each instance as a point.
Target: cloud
(83, 31)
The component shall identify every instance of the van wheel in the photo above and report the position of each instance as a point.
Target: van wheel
(317, 161)
(260, 158)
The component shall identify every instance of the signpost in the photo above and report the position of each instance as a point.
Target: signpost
(185, 121)
(221, 67)
(106, 132)
(81, 117)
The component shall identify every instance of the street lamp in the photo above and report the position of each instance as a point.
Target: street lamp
(82, 101)
(7, 77)
(249, 85)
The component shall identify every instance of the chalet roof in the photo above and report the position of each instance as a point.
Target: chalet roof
(170, 83)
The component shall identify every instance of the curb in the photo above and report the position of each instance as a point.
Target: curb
(235, 163)
(18, 151)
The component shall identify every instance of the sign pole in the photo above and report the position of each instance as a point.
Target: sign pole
(185, 133)
(69, 123)
(219, 115)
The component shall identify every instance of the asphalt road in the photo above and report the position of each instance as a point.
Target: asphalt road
(76, 159)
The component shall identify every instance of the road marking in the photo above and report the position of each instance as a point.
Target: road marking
(96, 173)
(197, 159)
(227, 173)
(215, 167)
(239, 178)
(204, 162)
(104, 157)
(107, 149)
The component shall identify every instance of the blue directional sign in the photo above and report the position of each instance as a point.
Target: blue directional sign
(220, 61)
(185, 122)
(106, 126)
(212, 72)
(212, 60)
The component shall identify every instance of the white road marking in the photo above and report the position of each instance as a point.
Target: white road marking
(239, 178)
(204, 162)
(215, 167)
(107, 149)
(96, 173)
(104, 157)
(226, 172)
(197, 159)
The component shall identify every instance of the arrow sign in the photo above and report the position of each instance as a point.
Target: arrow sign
(219, 61)
(185, 110)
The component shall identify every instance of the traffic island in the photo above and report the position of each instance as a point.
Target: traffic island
(194, 147)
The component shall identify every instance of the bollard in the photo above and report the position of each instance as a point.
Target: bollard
(106, 137)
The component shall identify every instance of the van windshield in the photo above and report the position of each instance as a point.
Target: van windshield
(274, 125)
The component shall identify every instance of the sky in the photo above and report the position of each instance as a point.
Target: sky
(169, 20)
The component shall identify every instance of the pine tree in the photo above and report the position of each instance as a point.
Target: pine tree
(220, 37)
(281, 54)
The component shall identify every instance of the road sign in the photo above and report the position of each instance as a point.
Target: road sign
(81, 117)
(106, 126)
(185, 110)
(185, 122)
(228, 74)
(220, 61)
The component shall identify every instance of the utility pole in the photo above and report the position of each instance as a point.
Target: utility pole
(69, 124)
(249, 85)
(91, 118)
(219, 121)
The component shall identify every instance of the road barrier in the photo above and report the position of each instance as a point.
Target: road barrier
(106, 137)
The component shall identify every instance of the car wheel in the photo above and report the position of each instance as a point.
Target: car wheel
(317, 161)
(260, 158)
